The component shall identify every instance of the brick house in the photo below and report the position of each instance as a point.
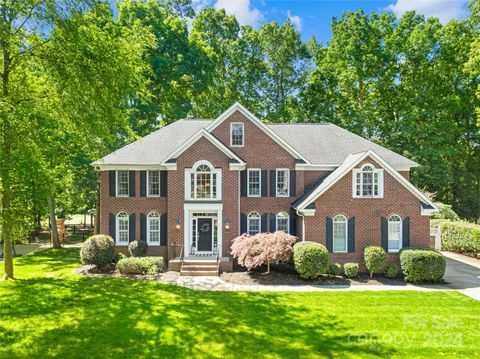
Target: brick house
(189, 188)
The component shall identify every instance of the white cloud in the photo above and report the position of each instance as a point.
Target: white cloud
(199, 5)
(242, 11)
(445, 10)
(295, 19)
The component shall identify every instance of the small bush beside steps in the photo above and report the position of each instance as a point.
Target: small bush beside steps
(141, 265)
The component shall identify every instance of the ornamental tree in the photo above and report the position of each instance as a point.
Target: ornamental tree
(262, 248)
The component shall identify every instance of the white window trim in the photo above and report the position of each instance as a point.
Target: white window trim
(358, 172)
(277, 217)
(388, 234)
(259, 222)
(260, 182)
(148, 229)
(288, 182)
(187, 182)
(117, 229)
(148, 186)
(116, 184)
(346, 233)
(231, 134)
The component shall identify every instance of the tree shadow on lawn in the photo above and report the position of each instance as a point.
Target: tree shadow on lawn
(110, 317)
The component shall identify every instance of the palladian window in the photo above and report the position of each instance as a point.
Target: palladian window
(204, 182)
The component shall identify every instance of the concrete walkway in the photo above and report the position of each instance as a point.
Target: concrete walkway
(463, 274)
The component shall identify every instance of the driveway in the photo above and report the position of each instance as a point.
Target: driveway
(463, 273)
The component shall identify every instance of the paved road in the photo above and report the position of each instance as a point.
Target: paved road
(463, 273)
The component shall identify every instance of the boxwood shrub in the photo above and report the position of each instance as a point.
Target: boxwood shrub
(391, 271)
(334, 269)
(375, 257)
(422, 265)
(137, 248)
(350, 270)
(141, 265)
(460, 237)
(310, 259)
(98, 250)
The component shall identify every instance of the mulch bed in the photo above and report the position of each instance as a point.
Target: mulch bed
(284, 274)
(109, 271)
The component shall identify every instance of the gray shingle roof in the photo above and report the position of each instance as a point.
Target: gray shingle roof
(321, 144)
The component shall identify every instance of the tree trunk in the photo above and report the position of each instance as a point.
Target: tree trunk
(53, 222)
(97, 212)
(268, 268)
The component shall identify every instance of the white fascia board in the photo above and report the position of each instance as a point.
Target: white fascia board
(238, 107)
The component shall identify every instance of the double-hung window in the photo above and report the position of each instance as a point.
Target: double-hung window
(122, 184)
(340, 234)
(122, 234)
(254, 183)
(236, 134)
(153, 183)
(253, 223)
(153, 228)
(283, 222)
(367, 182)
(394, 233)
(282, 181)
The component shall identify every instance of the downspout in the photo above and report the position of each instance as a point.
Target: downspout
(303, 224)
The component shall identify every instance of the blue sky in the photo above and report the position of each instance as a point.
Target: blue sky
(313, 17)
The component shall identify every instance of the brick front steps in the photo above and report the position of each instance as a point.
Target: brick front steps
(199, 268)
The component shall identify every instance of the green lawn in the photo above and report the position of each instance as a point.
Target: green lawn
(50, 312)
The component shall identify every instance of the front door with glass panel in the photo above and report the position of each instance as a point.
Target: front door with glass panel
(205, 234)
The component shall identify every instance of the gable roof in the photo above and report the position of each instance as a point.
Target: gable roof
(350, 162)
(238, 107)
(319, 144)
(205, 134)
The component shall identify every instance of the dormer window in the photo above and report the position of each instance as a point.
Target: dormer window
(236, 134)
(367, 182)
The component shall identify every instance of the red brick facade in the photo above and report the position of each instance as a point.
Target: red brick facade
(262, 152)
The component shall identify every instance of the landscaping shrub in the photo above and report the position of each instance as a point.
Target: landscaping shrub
(119, 256)
(421, 265)
(141, 265)
(445, 212)
(137, 248)
(262, 248)
(460, 237)
(375, 257)
(98, 250)
(334, 269)
(310, 259)
(391, 271)
(350, 270)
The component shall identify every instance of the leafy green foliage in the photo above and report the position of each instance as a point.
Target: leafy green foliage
(141, 265)
(446, 212)
(391, 271)
(350, 270)
(334, 269)
(310, 259)
(460, 237)
(98, 250)
(138, 248)
(422, 265)
(374, 257)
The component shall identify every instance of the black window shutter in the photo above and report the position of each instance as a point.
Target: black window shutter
(111, 225)
(163, 184)
(243, 223)
(406, 232)
(143, 183)
(131, 183)
(112, 183)
(273, 224)
(264, 223)
(264, 183)
(351, 235)
(143, 227)
(293, 224)
(273, 181)
(293, 183)
(384, 227)
(243, 183)
(131, 228)
(163, 229)
(329, 234)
